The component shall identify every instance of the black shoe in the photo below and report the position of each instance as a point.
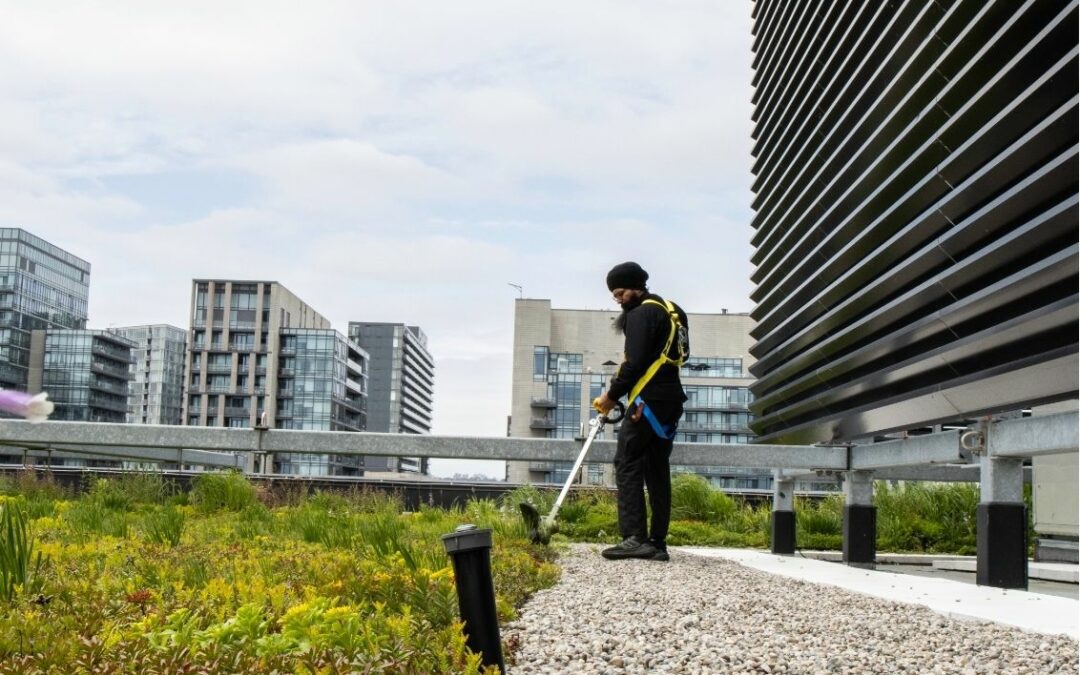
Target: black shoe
(661, 551)
(631, 547)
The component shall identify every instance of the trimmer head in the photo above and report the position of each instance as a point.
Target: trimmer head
(540, 529)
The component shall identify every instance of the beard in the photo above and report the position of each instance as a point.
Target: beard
(620, 321)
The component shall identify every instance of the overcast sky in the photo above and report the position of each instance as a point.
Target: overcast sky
(386, 161)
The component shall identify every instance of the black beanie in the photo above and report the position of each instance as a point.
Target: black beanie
(627, 275)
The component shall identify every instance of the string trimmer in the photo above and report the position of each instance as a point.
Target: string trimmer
(541, 529)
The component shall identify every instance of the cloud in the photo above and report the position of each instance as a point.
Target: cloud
(342, 176)
(396, 161)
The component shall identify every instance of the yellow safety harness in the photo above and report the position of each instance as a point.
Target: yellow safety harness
(678, 332)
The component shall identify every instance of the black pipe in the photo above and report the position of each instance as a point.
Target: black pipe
(470, 550)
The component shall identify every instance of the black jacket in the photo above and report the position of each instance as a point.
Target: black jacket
(647, 329)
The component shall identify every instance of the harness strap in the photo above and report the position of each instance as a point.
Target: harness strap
(664, 358)
(665, 432)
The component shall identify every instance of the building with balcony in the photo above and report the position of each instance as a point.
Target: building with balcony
(259, 355)
(564, 358)
(322, 386)
(157, 384)
(85, 372)
(402, 388)
(42, 287)
(232, 365)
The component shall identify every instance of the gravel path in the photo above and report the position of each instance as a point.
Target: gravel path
(705, 615)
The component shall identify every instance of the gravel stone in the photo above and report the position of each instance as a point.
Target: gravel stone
(706, 615)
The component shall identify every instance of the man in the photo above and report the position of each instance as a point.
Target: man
(654, 348)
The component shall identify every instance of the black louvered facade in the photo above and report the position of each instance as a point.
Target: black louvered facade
(915, 196)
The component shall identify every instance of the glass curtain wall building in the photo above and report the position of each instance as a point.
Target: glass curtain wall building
(157, 386)
(322, 386)
(85, 372)
(259, 355)
(232, 358)
(41, 287)
(402, 388)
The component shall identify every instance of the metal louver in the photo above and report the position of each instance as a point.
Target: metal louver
(916, 196)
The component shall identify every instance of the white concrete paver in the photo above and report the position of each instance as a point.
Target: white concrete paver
(1029, 611)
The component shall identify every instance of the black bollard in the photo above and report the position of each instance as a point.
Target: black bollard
(470, 550)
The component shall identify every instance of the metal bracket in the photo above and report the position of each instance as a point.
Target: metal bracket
(973, 441)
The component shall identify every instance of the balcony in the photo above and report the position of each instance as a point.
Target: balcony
(112, 388)
(695, 406)
(108, 403)
(286, 372)
(542, 402)
(287, 350)
(112, 371)
(691, 428)
(219, 368)
(542, 423)
(116, 354)
(246, 347)
(237, 412)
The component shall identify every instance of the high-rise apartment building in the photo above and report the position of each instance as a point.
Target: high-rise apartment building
(401, 387)
(41, 287)
(322, 386)
(85, 372)
(564, 358)
(232, 366)
(258, 354)
(157, 385)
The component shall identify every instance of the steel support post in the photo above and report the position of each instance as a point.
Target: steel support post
(860, 518)
(783, 514)
(1001, 539)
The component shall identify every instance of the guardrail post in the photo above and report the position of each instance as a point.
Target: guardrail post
(1001, 522)
(470, 550)
(860, 518)
(783, 514)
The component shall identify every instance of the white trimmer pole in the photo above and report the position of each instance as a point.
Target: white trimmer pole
(595, 423)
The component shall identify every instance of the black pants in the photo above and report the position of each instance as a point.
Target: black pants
(641, 461)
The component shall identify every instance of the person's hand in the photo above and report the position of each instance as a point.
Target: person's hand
(603, 404)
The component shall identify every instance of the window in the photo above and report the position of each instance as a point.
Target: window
(540, 359)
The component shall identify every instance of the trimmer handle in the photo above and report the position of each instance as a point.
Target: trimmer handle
(608, 419)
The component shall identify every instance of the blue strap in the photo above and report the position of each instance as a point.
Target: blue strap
(665, 432)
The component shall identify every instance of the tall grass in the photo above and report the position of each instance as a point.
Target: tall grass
(39, 491)
(89, 517)
(164, 526)
(927, 517)
(255, 520)
(19, 567)
(692, 498)
(223, 491)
